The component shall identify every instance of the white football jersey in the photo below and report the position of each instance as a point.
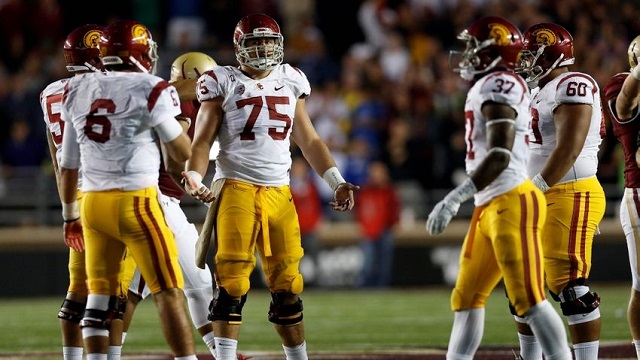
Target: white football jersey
(51, 103)
(509, 89)
(113, 115)
(568, 88)
(258, 118)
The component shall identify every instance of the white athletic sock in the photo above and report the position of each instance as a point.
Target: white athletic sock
(72, 353)
(96, 356)
(466, 334)
(210, 341)
(548, 328)
(529, 347)
(226, 348)
(188, 357)
(586, 350)
(297, 352)
(114, 352)
(636, 344)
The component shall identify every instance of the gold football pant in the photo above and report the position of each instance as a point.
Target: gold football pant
(503, 242)
(574, 211)
(254, 217)
(116, 222)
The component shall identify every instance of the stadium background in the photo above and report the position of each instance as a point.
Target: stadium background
(382, 90)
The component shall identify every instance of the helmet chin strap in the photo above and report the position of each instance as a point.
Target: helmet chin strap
(138, 64)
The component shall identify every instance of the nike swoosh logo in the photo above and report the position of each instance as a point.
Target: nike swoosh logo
(500, 211)
(278, 88)
(549, 204)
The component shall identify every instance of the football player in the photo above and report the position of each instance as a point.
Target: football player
(567, 128)
(114, 120)
(81, 55)
(254, 110)
(621, 96)
(198, 283)
(503, 241)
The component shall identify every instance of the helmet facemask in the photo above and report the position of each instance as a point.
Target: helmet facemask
(466, 62)
(265, 54)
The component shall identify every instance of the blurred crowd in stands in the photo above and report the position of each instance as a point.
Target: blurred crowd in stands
(382, 88)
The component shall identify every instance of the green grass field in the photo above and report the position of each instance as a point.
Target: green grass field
(335, 320)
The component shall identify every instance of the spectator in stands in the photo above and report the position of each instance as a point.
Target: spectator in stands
(309, 207)
(24, 153)
(376, 218)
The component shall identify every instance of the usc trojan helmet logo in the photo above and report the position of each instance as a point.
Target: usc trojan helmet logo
(139, 34)
(91, 38)
(500, 33)
(545, 37)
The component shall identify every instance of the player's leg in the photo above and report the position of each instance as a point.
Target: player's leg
(198, 287)
(478, 276)
(516, 234)
(103, 254)
(630, 220)
(281, 253)
(236, 232)
(72, 308)
(574, 214)
(152, 245)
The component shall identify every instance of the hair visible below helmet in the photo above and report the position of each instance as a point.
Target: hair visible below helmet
(81, 48)
(127, 44)
(492, 43)
(259, 57)
(547, 46)
(634, 52)
(191, 65)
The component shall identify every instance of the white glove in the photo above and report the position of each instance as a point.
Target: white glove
(441, 216)
(446, 209)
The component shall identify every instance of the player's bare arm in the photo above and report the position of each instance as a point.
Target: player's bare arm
(572, 123)
(500, 136)
(627, 100)
(208, 123)
(318, 155)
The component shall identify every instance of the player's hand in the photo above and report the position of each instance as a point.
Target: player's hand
(197, 189)
(343, 197)
(441, 216)
(73, 235)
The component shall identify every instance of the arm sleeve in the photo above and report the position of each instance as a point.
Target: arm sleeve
(168, 130)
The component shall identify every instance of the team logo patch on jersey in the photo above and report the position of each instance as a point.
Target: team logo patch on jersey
(139, 34)
(260, 86)
(91, 38)
(500, 33)
(240, 89)
(545, 37)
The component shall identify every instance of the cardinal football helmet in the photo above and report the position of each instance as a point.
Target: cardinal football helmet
(191, 65)
(129, 43)
(546, 46)
(492, 42)
(634, 52)
(81, 48)
(260, 56)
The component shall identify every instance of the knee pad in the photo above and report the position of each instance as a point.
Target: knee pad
(101, 319)
(226, 307)
(71, 310)
(285, 314)
(575, 301)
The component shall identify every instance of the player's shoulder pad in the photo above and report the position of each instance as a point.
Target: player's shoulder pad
(296, 78)
(576, 87)
(504, 86)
